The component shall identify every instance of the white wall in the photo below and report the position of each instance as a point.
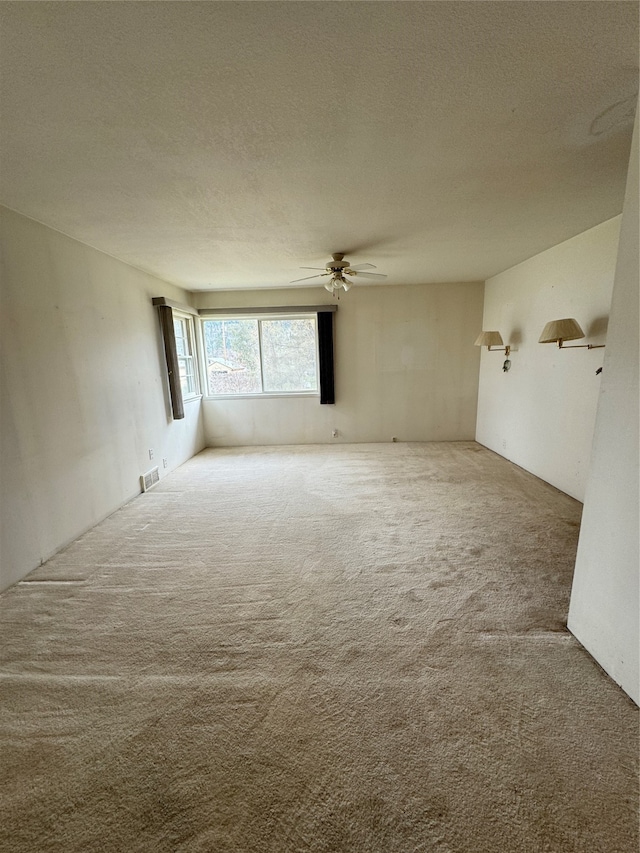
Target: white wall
(604, 599)
(405, 367)
(541, 413)
(83, 394)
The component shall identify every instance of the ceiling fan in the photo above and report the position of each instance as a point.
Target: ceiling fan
(337, 269)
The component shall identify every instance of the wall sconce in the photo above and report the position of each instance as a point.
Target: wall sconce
(492, 341)
(559, 331)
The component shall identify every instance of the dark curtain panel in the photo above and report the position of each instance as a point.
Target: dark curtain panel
(325, 351)
(173, 369)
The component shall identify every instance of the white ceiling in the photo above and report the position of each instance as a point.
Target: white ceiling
(226, 144)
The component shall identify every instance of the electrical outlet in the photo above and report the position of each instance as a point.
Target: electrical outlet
(165, 463)
(150, 453)
(394, 438)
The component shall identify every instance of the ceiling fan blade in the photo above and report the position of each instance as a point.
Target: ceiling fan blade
(371, 274)
(313, 268)
(363, 267)
(296, 280)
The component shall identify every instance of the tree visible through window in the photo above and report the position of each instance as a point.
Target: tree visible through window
(255, 356)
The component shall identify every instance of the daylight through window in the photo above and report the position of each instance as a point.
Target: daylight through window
(261, 356)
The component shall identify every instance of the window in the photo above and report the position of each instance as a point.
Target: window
(270, 355)
(183, 333)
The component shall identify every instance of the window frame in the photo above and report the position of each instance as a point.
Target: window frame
(259, 317)
(192, 342)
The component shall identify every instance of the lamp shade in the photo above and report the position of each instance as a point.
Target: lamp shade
(489, 339)
(556, 330)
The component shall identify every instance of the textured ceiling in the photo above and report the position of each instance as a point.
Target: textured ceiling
(224, 145)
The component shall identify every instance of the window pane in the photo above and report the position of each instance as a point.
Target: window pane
(187, 376)
(289, 355)
(179, 332)
(184, 382)
(233, 356)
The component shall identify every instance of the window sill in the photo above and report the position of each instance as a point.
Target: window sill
(263, 396)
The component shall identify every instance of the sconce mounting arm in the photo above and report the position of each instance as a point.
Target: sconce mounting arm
(561, 345)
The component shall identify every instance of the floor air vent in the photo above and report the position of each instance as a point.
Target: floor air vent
(149, 479)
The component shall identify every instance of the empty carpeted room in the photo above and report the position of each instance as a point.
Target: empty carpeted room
(319, 535)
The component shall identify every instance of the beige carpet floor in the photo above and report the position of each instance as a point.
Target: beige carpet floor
(356, 648)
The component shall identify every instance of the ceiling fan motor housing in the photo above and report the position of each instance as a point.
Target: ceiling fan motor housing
(337, 264)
